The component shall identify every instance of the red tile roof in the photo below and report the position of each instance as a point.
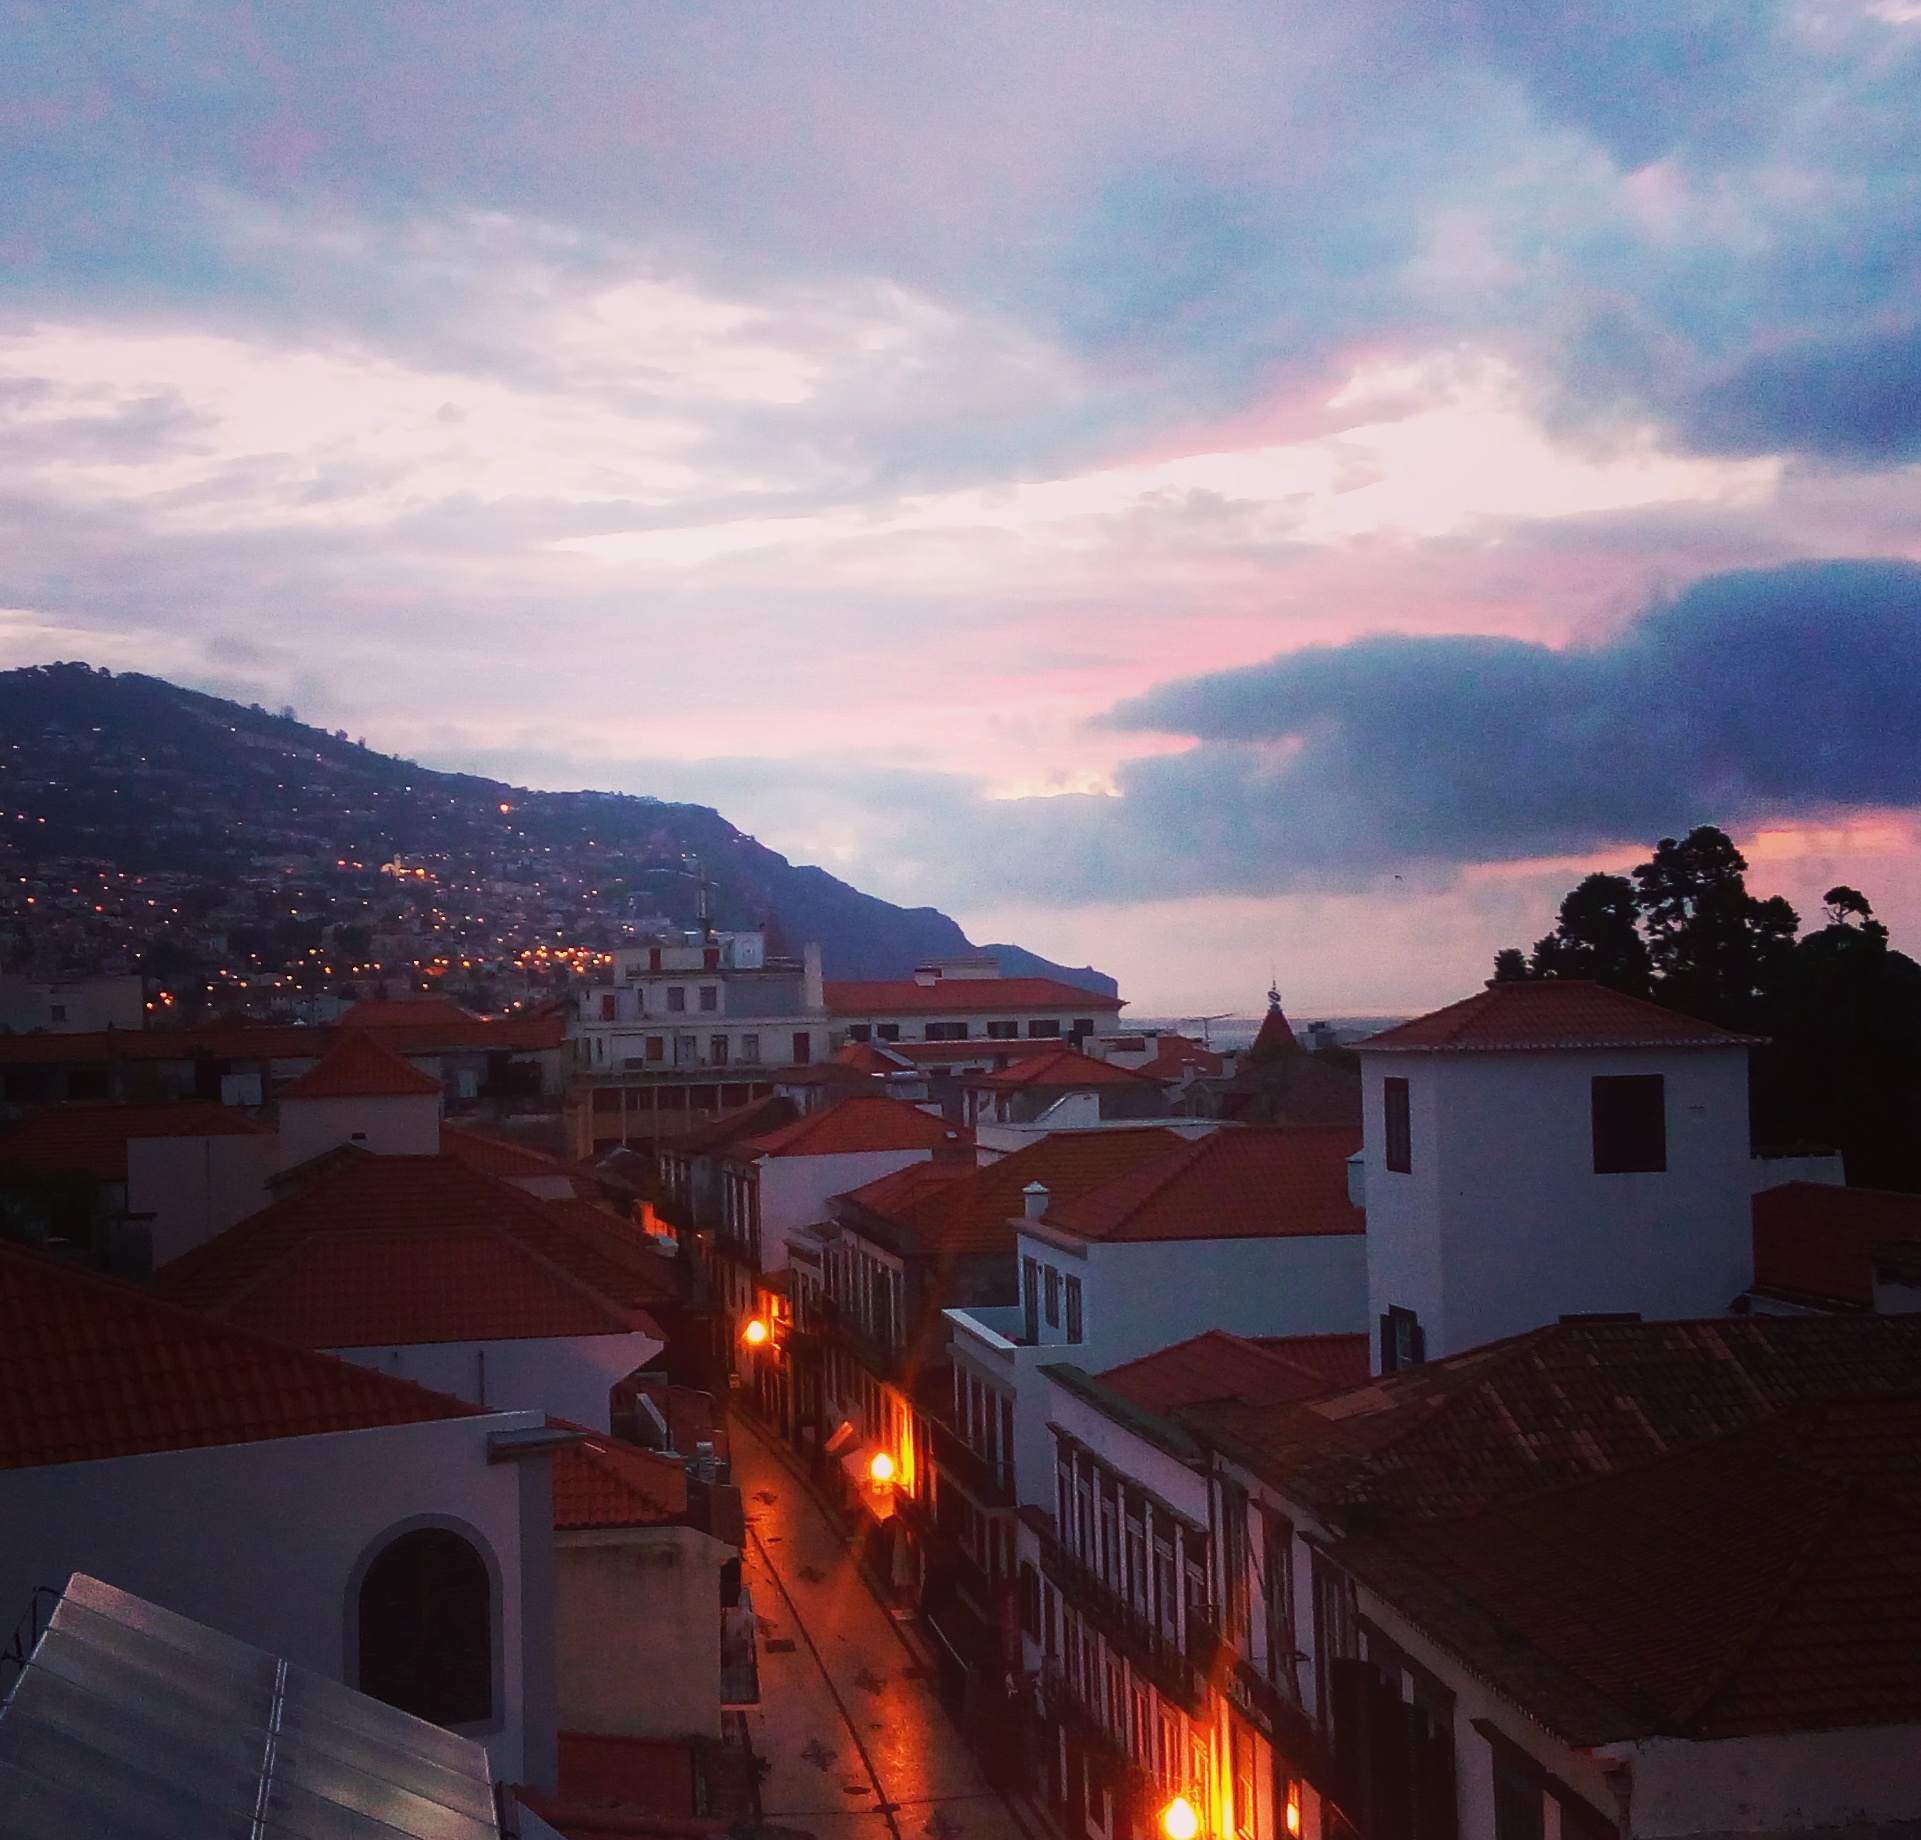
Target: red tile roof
(360, 1067)
(1767, 1582)
(1220, 1366)
(1558, 1406)
(403, 1012)
(1818, 1242)
(972, 1211)
(865, 1057)
(94, 1138)
(504, 1034)
(853, 1125)
(871, 997)
(383, 1250)
(1532, 1013)
(603, 1482)
(495, 1156)
(90, 1369)
(1176, 1055)
(1241, 1182)
(1065, 1067)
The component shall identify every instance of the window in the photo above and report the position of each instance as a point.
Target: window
(653, 958)
(1030, 1301)
(1519, 1813)
(59, 1012)
(609, 1007)
(710, 998)
(860, 1031)
(709, 961)
(803, 1047)
(656, 1047)
(686, 1051)
(887, 1031)
(750, 1049)
(1044, 1028)
(426, 1628)
(717, 1051)
(1051, 1295)
(1403, 1340)
(677, 998)
(1073, 1309)
(1003, 1031)
(1400, 1136)
(947, 1031)
(1630, 1124)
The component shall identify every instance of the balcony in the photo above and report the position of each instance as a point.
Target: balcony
(1176, 1674)
(990, 1484)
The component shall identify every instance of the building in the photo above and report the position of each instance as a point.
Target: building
(1059, 1089)
(966, 1000)
(1552, 1146)
(1276, 1081)
(1603, 1578)
(71, 1006)
(392, 1539)
(430, 1270)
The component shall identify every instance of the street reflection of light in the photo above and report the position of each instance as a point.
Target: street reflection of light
(755, 1333)
(882, 1467)
(1179, 1821)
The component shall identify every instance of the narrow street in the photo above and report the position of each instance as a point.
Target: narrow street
(859, 1747)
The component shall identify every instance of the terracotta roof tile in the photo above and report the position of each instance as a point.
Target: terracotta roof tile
(90, 1369)
(1768, 1581)
(406, 1249)
(1219, 1366)
(360, 1067)
(865, 1057)
(1243, 1182)
(869, 997)
(603, 1482)
(973, 1212)
(1816, 1241)
(857, 1124)
(94, 1138)
(502, 1034)
(1533, 1013)
(495, 1156)
(1062, 1067)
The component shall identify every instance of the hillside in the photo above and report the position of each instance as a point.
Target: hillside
(125, 783)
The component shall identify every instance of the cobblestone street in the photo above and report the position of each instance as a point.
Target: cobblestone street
(857, 1744)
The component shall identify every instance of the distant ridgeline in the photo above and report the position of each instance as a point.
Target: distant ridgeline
(141, 776)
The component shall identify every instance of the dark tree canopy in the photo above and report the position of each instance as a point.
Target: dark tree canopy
(1840, 1008)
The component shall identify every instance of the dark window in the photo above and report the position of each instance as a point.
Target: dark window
(947, 1031)
(1400, 1136)
(1044, 1028)
(717, 1051)
(710, 959)
(1030, 1602)
(1051, 1296)
(1031, 1300)
(1403, 1340)
(1519, 1813)
(803, 1047)
(887, 1031)
(653, 958)
(656, 1047)
(426, 1628)
(676, 998)
(1630, 1124)
(1003, 1031)
(609, 1008)
(710, 997)
(860, 1031)
(1073, 1309)
(1083, 1025)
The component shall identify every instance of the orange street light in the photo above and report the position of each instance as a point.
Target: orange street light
(1179, 1821)
(882, 1467)
(755, 1333)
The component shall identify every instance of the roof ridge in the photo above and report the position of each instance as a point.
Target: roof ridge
(1154, 1175)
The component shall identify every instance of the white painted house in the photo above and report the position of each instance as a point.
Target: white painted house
(392, 1539)
(1552, 1147)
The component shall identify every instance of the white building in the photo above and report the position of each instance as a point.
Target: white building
(961, 1000)
(1552, 1147)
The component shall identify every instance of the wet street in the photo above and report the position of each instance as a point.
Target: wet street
(858, 1745)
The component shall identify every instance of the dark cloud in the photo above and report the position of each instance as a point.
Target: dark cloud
(1751, 694)
(1855, 399)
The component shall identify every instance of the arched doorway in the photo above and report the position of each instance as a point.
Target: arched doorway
(426, 1628)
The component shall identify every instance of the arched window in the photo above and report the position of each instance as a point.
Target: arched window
(426, 1628)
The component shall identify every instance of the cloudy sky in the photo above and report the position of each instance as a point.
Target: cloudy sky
(1214, 489)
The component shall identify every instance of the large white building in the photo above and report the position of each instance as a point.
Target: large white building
(1546, 1148)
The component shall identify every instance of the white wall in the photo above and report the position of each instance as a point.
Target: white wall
(569, 1376)
(794, 1191)
(1791, 1782)
(264, 1541)
(1503, 1225)
(195, 1187)
(388, 1124)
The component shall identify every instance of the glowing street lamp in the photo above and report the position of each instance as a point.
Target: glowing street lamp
(1179, 1821)
(755, 1333)
(882, 1467)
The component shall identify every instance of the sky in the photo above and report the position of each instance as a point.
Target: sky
(1219, 491)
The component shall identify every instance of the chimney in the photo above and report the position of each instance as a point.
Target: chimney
(1034, 1199)
(813, 997)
